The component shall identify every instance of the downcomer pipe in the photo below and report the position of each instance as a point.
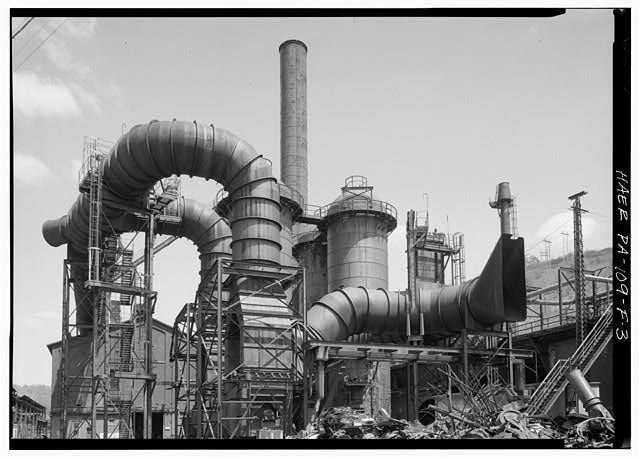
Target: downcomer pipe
(208, 231)
(148, 153)
(203, 226)
(497, 295)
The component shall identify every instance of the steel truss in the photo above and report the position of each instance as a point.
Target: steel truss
(118, 370)
(481, 358)
(109, 372)
(549, 310)
(206, 388)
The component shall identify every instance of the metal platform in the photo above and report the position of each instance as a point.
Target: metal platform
(118, 288)
(401, 353)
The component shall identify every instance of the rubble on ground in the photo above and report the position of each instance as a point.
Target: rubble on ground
(487, 411)
(508, 423)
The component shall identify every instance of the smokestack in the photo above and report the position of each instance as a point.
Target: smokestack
(293, 116)
(504, 203)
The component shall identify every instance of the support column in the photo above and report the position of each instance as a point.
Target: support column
(510, 341)
(560, 296)
(415, 389)
(305, 356)
(465, 357)
(106, 382)
(176, 393)
(187, 409)
(95, 382)
(199, 399)
(219, 337)
(148, 325)
(408, 391)
(64, 350)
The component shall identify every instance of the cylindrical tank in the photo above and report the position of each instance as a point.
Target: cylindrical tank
(291, 208)
(358, 225)
(311, 254)
(293, 115)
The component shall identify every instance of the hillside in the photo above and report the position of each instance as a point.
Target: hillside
(38, 392)
(543, 274)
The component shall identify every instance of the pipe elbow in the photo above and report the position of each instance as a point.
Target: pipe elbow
(53, 233)
(352, 310)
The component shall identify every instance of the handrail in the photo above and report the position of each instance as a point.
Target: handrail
(603, 323)
(93, 150)
(533, 322)
(220, 195)
(582, 358)
(359, 204)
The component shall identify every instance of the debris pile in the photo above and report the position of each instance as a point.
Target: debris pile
(481, 411)
(346, 423)
(591, 433)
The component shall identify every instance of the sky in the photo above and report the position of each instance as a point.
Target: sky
(447, 107)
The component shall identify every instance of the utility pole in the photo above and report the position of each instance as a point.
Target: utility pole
(545, 254)
(425, 196)
(411, 265)
(582, 316)
(565, 244)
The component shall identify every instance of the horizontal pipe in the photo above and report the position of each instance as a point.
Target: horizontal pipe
(590, 278)
(497, 295)
(599, 295)
(553, 288)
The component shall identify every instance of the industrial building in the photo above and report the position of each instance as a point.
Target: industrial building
(28, 417)
(293, 314)
(78, 389)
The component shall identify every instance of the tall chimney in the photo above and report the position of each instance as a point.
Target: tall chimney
(293, 116)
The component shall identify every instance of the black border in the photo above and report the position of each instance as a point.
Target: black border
(621, 145)
(289, 12)
(621, 161)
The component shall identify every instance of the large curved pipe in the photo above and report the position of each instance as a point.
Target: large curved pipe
(202, 225)
(497, 295)
(208, 231)
(148, 153)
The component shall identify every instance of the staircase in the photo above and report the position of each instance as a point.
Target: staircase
(127, 276)
(124, 426)
(126, 340)
(165, 191)
(205, 396)
(583, 358)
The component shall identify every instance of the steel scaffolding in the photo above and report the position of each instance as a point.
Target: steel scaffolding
(215, 398)
(483, 362)
(119, 368)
